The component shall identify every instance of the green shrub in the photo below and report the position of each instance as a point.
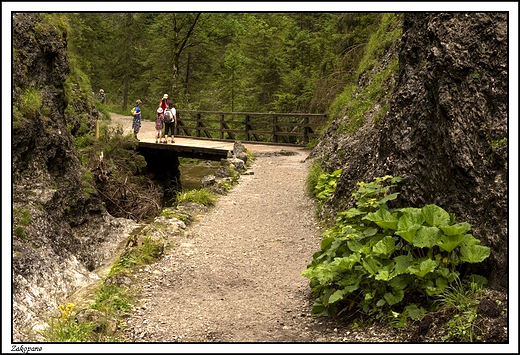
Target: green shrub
(326, 185)
(381, 260)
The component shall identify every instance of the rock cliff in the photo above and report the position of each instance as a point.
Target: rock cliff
(445, 132)
(61, 231)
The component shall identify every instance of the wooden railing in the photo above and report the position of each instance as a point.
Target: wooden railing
(289, 128)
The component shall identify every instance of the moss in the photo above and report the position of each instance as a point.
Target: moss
(22, 215)
(355, 103)
(496, 144)
(20, 232)
(30, 103)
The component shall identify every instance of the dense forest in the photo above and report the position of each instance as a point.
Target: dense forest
(261, 62)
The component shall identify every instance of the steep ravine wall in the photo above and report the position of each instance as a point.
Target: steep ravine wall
(446, 130)
(61, 231)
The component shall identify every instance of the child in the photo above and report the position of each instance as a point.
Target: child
(136, 123)
(159, 120)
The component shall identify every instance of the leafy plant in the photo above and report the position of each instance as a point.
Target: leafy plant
(380, 260)
(326, 185)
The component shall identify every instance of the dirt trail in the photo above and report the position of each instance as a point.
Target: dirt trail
(234, 276)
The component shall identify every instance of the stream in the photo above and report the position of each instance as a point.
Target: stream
(192, 172)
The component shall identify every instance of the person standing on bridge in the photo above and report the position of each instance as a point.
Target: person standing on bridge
(159, 120)
(136, 123)
(170, 121)
(164, 103)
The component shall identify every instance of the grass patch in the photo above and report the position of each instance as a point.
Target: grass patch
(461, 300)
(202, 196)
(313, 175)
(146, 253)
(495, 144)
(66, 328)
(30, 103)
(112, 300)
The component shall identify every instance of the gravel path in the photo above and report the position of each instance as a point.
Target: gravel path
(235, 275)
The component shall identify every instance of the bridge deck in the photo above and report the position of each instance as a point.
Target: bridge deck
(191, 148)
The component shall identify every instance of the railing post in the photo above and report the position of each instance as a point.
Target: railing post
(176, 125)
(275, 122)
(247, 128)
(198, 125)
(97, 129)
(306, 130)
(222, 126)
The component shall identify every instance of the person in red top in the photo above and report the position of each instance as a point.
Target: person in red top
(164, 103)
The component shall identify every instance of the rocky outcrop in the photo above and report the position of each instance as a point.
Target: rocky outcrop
(61, 231)
(445, 133)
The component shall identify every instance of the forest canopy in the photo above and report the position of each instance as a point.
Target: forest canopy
(278, 62)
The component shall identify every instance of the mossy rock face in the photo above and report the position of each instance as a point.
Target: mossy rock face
(437, 134)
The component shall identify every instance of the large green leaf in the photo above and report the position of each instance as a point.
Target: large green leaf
(435, 216)
(399, 282)
(456, 229)
(394, 297)
(385, 246)
(371, 265)
(409, 234)
(383, 218)
(410, 217)
(347, 262)
(369, 232)
(326, 242)
(450, 242)
(402, 263)
(336, 296)
(423, 268)
(415, 312)
(354, 245)
(470, 240)
(351, 213)
(427, 237)
(389, 198)
(387, 272)
(474, 253)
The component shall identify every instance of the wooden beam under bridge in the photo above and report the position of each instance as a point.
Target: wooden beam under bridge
(190, 148)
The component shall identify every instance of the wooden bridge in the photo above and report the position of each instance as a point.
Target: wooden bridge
(211, 134)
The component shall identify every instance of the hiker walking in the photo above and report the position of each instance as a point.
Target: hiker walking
(159, 121)
(170, 121)
(136, 123)
(102, 96)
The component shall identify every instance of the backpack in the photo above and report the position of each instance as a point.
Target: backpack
(168, 116)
